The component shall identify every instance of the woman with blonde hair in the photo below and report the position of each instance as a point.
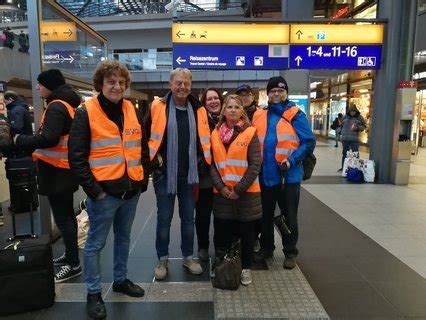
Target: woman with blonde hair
(235, 168)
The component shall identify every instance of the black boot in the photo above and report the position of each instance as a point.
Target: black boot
(96, 306)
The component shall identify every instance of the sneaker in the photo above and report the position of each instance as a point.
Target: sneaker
(289, 263)
(161, 269)
(340, 170)
(60, 260)
(96, 306)
(193, 266)
(256, 246)
(203, 254)
(129, 288)
(66, 273)
(246, 277)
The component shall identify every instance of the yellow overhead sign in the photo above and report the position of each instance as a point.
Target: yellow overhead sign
(231, 33)
(336, 33)
(58, 31)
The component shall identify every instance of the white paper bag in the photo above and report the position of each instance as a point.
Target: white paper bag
(82, 228)
(368, 171)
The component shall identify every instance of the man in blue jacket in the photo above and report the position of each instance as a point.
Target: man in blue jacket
(274, 188)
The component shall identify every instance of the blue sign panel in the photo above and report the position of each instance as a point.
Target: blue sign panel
(230, 56)
(335, 56)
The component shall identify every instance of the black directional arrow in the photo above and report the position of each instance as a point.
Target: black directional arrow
(180, 34)
(299, 33)
(69, 33)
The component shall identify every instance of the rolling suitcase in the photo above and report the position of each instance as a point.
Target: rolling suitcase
(21, 173)
(26, 271)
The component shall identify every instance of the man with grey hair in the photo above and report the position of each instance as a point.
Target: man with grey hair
(179, 141)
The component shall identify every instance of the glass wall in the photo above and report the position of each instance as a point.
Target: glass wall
(146, 59)
(67, 44)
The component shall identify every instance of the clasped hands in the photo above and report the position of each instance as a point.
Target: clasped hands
(229, 193)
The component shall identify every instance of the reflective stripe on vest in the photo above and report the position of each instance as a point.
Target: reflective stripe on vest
(287, 139)
(111, 155)
(158, 127)
(232, 164)
(57, 156)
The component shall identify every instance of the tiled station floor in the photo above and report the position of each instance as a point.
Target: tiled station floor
(362, 256)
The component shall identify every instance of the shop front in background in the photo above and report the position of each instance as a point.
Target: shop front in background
(333, 96)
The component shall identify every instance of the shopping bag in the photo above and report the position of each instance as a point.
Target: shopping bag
(83, 225)
(368, 171)
(355, 175)
(351, 161)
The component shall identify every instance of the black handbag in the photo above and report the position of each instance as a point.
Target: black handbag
(228, 269)
(308, 165)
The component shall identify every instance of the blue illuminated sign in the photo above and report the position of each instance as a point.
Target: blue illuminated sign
(230, 56)
(335, 56)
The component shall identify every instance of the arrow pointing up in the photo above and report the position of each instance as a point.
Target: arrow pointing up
(298, 59)
(299, 33)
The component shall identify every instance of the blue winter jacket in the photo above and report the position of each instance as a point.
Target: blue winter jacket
(270, 175)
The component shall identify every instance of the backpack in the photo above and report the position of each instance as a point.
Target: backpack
(334, 125)
(6, 140)
(309, 162)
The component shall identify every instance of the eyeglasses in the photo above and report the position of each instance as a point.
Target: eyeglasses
(275, 91)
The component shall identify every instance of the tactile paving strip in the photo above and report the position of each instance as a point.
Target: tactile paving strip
(275, 293)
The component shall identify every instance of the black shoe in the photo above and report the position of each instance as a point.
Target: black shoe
(60, 260)
(335, 145)
(129, 288)
(67, 272)
(96, 306)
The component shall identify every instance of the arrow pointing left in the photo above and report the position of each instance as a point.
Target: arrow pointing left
(179, 60)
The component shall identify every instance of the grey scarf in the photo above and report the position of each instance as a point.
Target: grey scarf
(172, 148)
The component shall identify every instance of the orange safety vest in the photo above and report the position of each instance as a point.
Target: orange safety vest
(158, 127)
(111, 154)
(287, 139)
(57, 156)
(232, 164)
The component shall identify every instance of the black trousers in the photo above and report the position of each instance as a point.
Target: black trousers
(288, 201)
(203, 211)
(63, 213)
(225, 232)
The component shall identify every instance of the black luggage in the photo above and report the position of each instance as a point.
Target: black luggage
(21, 173)
(26, 271)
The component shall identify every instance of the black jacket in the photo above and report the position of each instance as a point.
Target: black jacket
(163, 148)
(79, 150)
(18, 114)
(52, 180)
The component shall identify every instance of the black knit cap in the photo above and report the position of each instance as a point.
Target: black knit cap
(276, 82)
(51, 79)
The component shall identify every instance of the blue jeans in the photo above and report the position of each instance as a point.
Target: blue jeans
(349, 145)
(165, 208)
(102, 214)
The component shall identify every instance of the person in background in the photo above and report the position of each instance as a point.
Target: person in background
(337, 126)
(18, 114)
(108, 151)
(212, 100)
(55, 179)
(352, 124)
(235, 169)
(179, 136)
(248, 100)
(287, 139)
(8, 38)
